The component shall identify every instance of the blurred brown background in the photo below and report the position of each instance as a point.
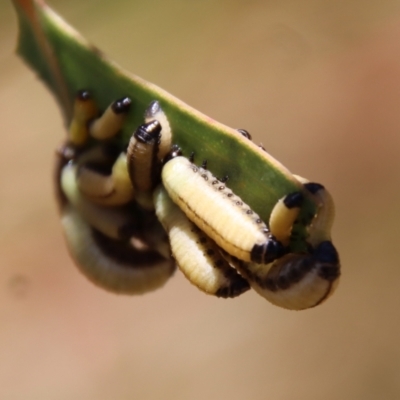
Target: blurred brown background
(318, 83)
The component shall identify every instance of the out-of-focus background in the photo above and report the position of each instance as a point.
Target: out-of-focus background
(318, 83)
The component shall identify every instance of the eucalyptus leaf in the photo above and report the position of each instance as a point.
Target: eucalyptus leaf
(66, 62)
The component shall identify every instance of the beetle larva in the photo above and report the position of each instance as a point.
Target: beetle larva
(218, 212)
(197, 256)
(101, 185)
(155, 112)
(108, 125)
(114, 265)
(296, 281)
(111, 221)
(284, 215)
(85, 110)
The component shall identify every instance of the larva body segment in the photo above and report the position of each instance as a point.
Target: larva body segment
(197, 256)
(113, 222)
(111, 264)
(218, 212)
(296, 281)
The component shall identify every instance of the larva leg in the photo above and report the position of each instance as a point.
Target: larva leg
(111, 221)
(111, 121)
(113, 264)
(283, 216)
(197, 256)
(100, 184)
(143, 165)
(85, 110)
(296, 281)
(155, 112)
(218, 212)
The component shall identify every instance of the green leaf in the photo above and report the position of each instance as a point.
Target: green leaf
(67, 63)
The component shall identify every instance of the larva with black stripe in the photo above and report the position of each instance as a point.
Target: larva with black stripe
(114, 265)
(218, 212)
(298, 281)
(197, 256)
(143, 164)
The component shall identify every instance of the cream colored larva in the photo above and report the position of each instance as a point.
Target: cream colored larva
(218, 212)
(155, 112)
(300, 281)
(113, 222)
(197, 256)
(111, 121)
(114, 265)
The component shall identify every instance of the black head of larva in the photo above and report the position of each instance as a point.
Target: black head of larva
(174, 152)
(152, 109)
(245, 133)
(148, 133)
(121, 106)
(313, 187)
(84, 95)
(267, 252)
(293, 200)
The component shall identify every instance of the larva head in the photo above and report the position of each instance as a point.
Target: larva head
(174, 152)
(244, 133)
(121, 106)
(149, 132)
(152, 110)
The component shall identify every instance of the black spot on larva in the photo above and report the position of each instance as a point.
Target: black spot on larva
(124, 253)
(230, 194)
(224, 179)
(239, 203)
(221, 187)
(121, 106)
(174, 152)
(152, 109)
(194, 169)
(283, 282)
(329, 272)
(237, 287)
(214, 182)
(313, 187)
(84, 95)
(293, 200)
(258, 221)
(219, 263)
(210, 252)
(266, 252)
(245, 133)
(249, 212)
(203, 240)
(204, 176)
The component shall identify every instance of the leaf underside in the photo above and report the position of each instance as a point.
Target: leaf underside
(67, 63)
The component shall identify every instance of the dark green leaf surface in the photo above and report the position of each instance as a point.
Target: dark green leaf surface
(67, 63)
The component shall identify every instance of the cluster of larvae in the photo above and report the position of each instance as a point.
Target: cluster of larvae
(130, 216)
